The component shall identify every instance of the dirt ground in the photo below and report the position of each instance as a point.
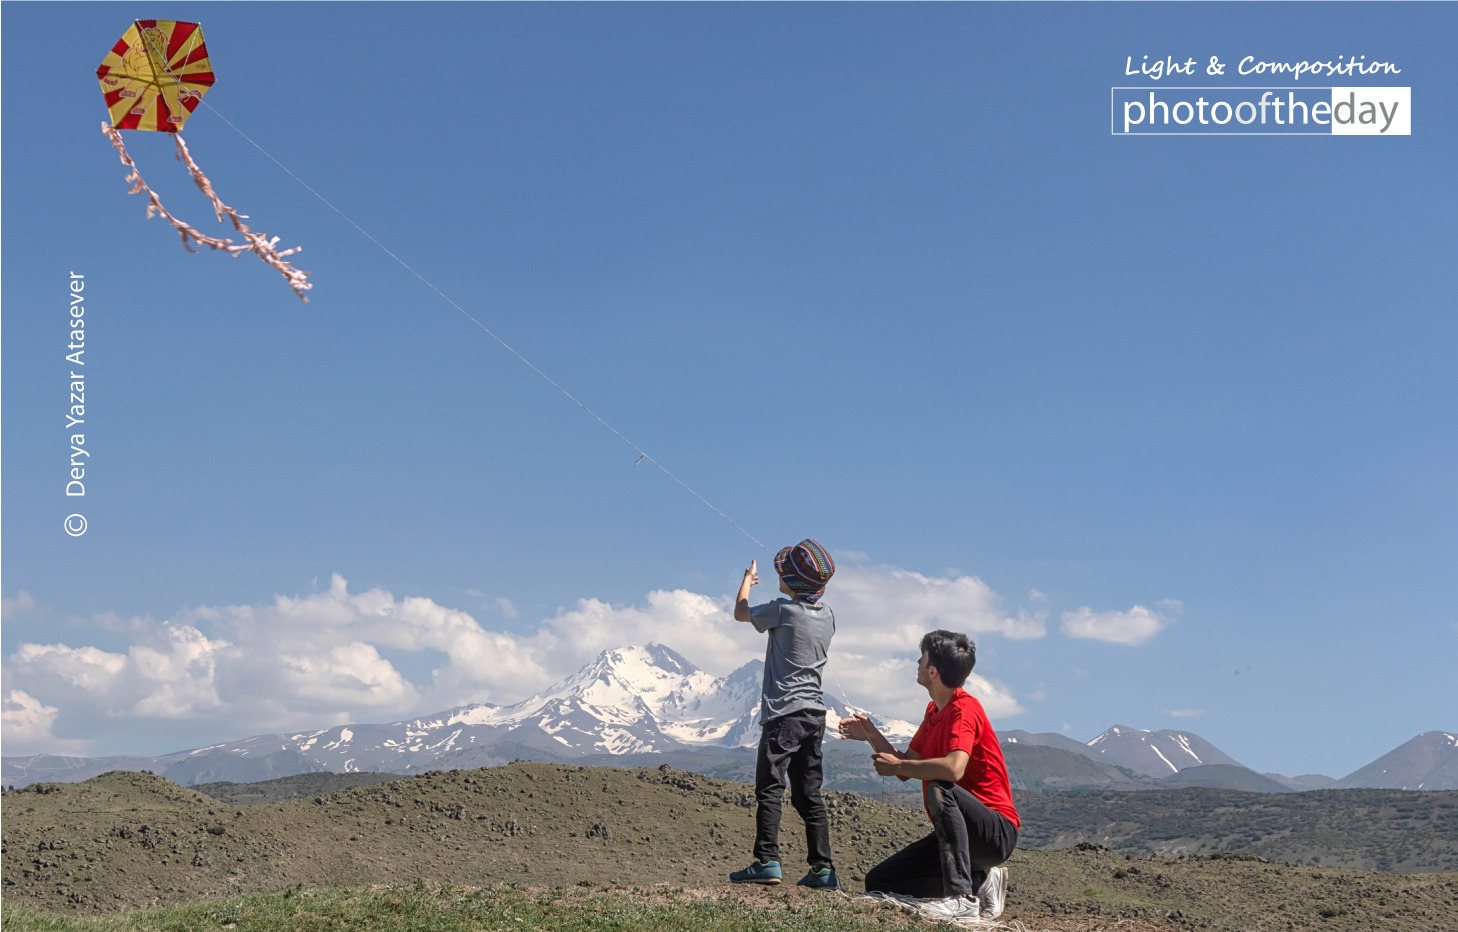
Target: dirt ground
(127, 840)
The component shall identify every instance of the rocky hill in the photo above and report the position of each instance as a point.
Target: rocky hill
(128, 840)
(1358, 829)
(283, 789)
(125, 840)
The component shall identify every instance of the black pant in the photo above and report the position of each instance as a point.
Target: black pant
(792, 742)
(954, 859)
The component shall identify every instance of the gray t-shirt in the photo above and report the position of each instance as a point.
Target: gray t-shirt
(799, 642)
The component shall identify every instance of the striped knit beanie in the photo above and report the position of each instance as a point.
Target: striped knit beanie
(805, 568)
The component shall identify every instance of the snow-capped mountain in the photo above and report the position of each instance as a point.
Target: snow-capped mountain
(630, 700)
(1156, 753)
(634, 700)
(1427, 762)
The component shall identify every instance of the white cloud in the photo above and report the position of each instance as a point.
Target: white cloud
(1185, 713)
(86, 668)
(27, 723)
(996, 699)
(1133, 627)
(899, 600)
(1035, 596)
(353, 674)
(323, 658)
(881, 614)
(287, 664)
(507, 609)
(170, 675)
(888, 685)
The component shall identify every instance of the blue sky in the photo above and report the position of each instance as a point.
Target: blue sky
(873, 274)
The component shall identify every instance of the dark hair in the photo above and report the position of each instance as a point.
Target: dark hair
(954, 655)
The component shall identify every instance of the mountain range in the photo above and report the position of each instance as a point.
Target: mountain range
(650, 702)
(629, 701)
(1180, 759)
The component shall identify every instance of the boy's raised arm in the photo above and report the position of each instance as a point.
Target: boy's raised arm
(741, 601)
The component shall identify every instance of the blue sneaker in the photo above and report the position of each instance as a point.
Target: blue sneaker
(823, 879)
(759, 872)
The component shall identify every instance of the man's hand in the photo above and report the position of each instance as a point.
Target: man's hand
(887, 765)
(858, 728)
(752, 574)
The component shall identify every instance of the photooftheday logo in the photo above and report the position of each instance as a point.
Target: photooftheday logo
(1260, 111)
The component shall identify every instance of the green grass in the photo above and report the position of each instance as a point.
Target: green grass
(431, 907)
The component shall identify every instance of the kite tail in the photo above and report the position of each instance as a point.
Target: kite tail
(258, 244)
(206, 187)
(188, 233)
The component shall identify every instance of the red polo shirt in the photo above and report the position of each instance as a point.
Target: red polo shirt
(963, 726)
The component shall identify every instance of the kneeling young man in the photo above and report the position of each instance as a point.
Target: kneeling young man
(964, 786)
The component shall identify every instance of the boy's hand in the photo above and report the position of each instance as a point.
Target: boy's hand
(741, 601)
(857, 728)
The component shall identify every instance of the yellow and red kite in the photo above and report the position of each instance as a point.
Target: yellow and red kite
(156, 75)
(152, 80)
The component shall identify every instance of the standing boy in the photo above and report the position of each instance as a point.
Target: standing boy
(964, 786)
(792, 710)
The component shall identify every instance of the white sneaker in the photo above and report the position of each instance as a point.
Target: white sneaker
(952, 907)
(993, 892)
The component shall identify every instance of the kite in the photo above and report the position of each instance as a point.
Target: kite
(153, 79)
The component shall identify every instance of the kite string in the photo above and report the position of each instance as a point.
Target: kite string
(846, 699)
(642, 454)
(489, 332)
